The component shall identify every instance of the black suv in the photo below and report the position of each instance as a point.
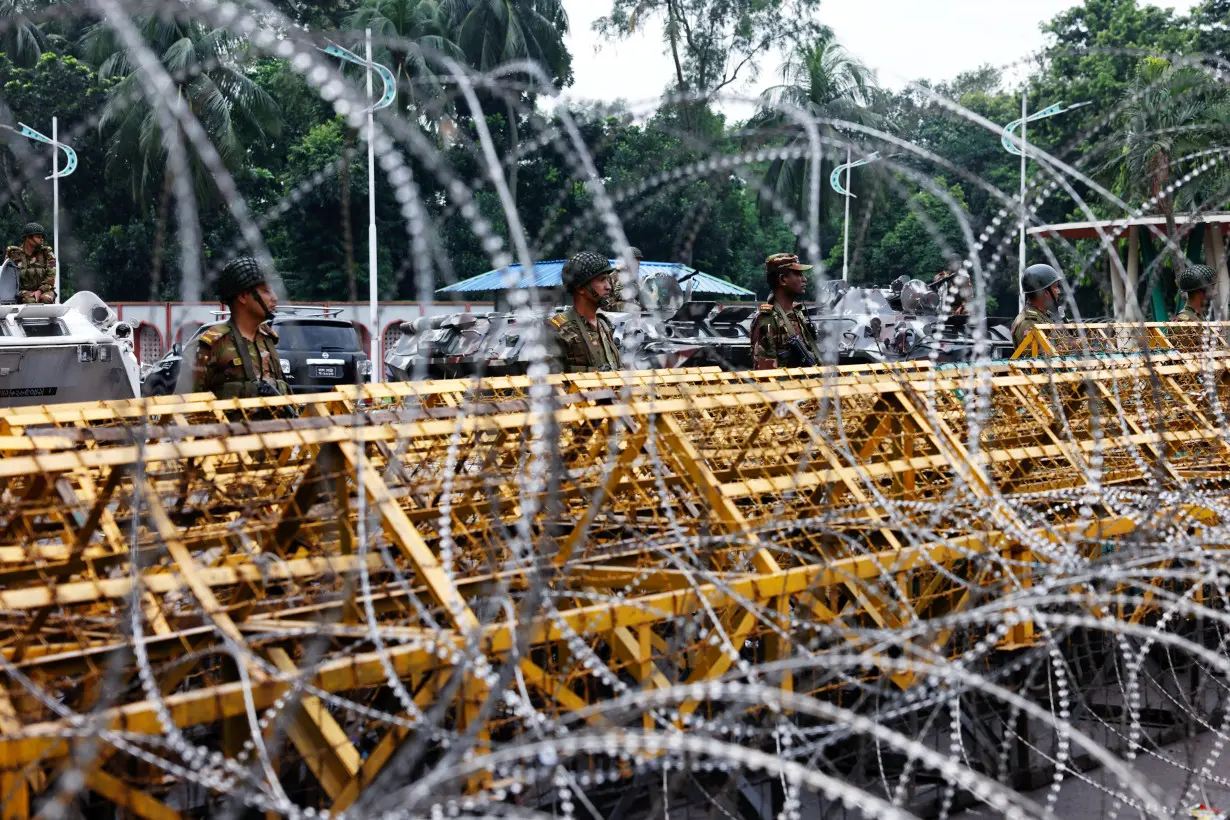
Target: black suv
(318, 351)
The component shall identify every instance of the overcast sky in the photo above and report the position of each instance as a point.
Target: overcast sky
(901, 39)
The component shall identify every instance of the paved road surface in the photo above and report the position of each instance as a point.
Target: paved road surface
(1092, 795)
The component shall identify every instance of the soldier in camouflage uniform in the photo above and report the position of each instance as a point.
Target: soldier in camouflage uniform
(239, 359)
(36, 265)
(619, 300)
(1043, 289)
(1197, 282)
(583, 338)
(781, 334)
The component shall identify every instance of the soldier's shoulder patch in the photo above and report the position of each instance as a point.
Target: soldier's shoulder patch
(766, 308)
(558, 321)
(212, 335)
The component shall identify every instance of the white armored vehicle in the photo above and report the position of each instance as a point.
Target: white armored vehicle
(71, 352)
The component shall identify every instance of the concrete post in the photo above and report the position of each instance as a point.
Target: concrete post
(1114, 268)
(1215, 255)
(1131, 298)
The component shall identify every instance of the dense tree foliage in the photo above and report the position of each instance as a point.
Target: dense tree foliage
(716, 43)
(686, 184)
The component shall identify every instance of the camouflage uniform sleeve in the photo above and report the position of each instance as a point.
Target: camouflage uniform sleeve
(200, 358)
(557, 351)
(1186, 315)
(764, 347)
(48, 285)
(1021, 328)
(25, 293)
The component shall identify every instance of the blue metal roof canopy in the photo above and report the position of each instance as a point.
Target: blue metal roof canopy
(547, 275)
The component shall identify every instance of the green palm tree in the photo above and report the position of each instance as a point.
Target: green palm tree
(493, 32)
(1171, 116)
(22, 39)
(821, 79)
(412, 34)
(206, 65)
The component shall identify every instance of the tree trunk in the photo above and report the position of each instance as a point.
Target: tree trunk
(1131, 296)
(160, 236)
(1217, 260)
(1174, 245)
(1159, 175)
(514, 139)
(1118, 299)
(343, 176)
(672, 29)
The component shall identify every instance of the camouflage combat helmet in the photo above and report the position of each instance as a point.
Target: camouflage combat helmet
(239, 275)
(32, 229)
(1196, 277)
(636, 252)
(779, 262)
(1038, 278)
(583, 267)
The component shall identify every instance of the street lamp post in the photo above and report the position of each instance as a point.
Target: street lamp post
(1020, 264)
(1010, 145)
(386, 99)
(70, 165)
(844, 190)
(845, 225)
(372, 262)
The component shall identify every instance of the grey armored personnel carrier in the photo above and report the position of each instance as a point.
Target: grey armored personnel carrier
(71, 352)
(663, 328)
(904, 321)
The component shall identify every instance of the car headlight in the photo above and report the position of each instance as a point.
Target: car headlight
(365, 367)
(285, 366)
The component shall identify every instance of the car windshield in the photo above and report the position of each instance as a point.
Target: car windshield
(317, 336)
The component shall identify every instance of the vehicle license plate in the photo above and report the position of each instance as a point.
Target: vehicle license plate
(327, 372)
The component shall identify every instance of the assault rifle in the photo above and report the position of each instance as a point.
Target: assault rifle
(801, 353)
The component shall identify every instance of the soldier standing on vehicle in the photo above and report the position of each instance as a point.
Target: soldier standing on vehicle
(584, 339)
(36, 265)
(620, 301)
(781, 334)
(239, 359)
(1043, 289)
(1197, 282)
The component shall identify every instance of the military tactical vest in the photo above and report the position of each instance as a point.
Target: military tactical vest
(581, 347)
(772, 330)
(233, 367)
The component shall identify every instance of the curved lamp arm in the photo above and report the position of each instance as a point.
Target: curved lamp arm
(835, 177)
(1050, 111)
(26, 131)
(386, 76)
